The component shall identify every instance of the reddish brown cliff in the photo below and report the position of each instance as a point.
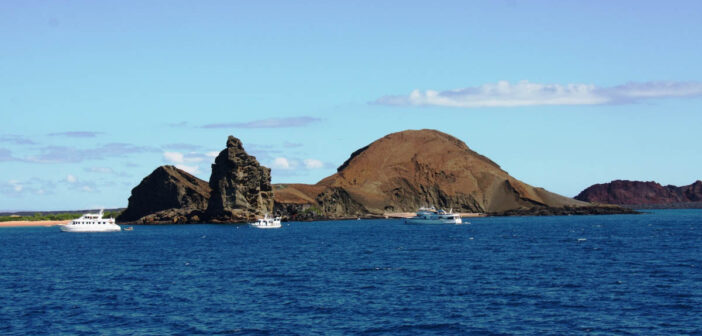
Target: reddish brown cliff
(647, 194)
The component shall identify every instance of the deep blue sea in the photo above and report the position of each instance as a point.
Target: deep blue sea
(599, 275)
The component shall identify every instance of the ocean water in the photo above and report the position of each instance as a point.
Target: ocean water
(598, 275)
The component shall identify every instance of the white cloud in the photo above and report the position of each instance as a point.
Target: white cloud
(525, 93)
(187, 162)
(16, 186)
(178, 157)
(173, 157)
(313, 164)
(33, 186)
(212, 154)
(190, 169)
(282, 163)
(71, 179)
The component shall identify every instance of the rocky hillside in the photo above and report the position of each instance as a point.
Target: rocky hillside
(168, 194)
(643, 194)
(403, 171)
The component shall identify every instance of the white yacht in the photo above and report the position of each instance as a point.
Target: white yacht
(433, 216)
(267, 222)
(91, 223)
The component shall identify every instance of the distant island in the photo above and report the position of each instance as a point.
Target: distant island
(395, 174)
(644, 195)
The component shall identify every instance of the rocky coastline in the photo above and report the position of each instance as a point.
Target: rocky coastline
(395, 174)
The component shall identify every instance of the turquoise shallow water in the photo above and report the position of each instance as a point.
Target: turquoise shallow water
(627, 274)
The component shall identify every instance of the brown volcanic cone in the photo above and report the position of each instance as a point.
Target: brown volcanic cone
(403, 171)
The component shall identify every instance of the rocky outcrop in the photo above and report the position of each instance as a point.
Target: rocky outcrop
(167, 195)
(403, 171)
(644, 194)
(239, 190)
(567, 210)
(241, 187)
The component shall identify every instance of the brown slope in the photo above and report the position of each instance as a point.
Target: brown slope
(405, 170)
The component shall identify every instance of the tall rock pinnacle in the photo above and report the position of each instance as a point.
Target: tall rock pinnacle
(241, 187)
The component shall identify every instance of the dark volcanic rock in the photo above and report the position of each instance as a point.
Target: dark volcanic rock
(241, 187)
(642, 194)
(168, 194)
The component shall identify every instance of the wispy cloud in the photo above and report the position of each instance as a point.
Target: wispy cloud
(74, 183)
(313, 164)
(104, 170)
(33, 186)
(268, 123)
(16, 139)
(178, 124)
(525, 93)
(6, 155)
(289, 166)
(65, 154)
(182, 146)
(77, 134)
(287, 144)
(189, 162)
(285, 163)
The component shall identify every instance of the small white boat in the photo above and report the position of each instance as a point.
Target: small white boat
(267, 222)
(433, 216)
(91, 223)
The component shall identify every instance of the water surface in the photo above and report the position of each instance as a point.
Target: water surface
(624, 274)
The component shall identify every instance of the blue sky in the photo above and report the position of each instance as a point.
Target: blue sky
(561, 94)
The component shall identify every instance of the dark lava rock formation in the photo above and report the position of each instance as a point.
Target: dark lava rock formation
(239, 190)
(241, 187)
(403, 171)
(168, 194)
(640, 194)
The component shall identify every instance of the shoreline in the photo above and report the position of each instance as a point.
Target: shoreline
(33, 223)
(412, 214)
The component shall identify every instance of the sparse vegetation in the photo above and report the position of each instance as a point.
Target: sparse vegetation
(53, 216)
(314, 210)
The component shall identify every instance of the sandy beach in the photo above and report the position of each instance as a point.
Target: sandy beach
(32, 223)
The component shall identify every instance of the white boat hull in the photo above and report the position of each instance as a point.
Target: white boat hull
(433, 221)
(267, 222)
(272, 226)
(90, 228)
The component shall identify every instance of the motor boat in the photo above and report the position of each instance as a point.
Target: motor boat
(433, 216)
(91, 222)
(267, 222)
